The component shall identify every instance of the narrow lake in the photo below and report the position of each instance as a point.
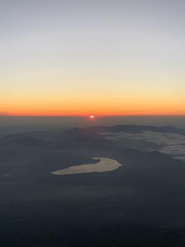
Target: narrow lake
(104, 165)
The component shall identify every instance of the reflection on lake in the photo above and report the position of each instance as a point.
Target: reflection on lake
(104, 165)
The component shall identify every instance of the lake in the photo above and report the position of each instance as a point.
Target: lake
(104, 165)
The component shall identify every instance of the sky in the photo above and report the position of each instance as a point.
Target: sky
(74, 58)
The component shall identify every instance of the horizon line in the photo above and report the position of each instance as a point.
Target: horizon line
(98, 115)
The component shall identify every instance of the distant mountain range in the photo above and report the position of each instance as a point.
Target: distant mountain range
(89, 133)
(124, 128)
(22, 140)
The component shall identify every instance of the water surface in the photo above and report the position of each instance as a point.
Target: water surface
(104, 165)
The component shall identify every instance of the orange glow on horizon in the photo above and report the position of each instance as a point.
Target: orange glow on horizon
(98, 114)
(104, 107)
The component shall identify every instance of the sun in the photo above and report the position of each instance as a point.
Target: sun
(91, 116)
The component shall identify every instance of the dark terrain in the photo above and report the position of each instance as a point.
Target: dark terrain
(140, 204)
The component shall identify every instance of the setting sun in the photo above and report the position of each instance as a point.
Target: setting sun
(91, 116)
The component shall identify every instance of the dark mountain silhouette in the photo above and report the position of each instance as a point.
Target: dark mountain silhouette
(10, 138)
(27, 140)
(137, 129)
(22, 140)
(77, 133)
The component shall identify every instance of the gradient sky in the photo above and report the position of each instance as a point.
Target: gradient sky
(103, 57)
